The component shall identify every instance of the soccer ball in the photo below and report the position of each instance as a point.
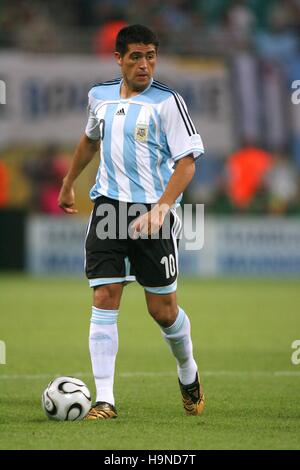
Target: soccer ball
(66, 399)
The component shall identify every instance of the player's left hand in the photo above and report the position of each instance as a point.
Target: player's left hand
(150, 223)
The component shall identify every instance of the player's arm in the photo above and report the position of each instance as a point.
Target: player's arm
(83, 155)
(151, 222)
(180, 179)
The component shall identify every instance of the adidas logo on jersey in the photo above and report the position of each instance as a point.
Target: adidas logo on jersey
(121, 112)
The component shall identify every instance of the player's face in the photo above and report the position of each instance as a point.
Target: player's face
(137, 65)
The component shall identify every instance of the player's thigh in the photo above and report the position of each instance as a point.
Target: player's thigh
(108, 296)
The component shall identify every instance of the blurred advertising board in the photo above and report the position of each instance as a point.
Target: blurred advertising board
(253, 246)
(232, 246)
(46, 97)
(55, 245)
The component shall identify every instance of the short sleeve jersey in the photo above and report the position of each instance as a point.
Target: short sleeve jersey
(141, 139)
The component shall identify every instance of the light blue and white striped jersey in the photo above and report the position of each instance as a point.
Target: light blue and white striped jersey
(140, 140)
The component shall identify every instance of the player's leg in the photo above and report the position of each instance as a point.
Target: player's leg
(156, 264)
(107, 269)
(103, 339)
(176, 329)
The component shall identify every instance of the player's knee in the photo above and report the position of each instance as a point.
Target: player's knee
(164, 311)
(107, 296)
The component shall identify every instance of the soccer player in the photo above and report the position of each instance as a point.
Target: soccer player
(148, 145)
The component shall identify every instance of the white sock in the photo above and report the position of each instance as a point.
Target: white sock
(178, 337)
(103, 342)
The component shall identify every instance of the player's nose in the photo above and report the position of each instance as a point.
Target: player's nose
(143, 63)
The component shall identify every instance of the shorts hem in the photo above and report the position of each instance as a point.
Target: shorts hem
(163, 289)
(110, 280)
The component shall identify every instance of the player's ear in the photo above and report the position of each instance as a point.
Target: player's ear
(118, 58)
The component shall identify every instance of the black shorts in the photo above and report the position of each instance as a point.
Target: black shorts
(113, 256)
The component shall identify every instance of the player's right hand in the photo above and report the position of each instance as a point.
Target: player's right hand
(66, 200)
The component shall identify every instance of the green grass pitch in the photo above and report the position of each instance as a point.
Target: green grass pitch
(242, 332)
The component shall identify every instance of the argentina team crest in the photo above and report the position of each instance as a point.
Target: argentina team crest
(141, 132)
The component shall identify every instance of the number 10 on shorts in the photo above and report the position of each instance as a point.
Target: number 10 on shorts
(170, 265)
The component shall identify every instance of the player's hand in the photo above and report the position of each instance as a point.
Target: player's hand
(66, 200)
(150, 223)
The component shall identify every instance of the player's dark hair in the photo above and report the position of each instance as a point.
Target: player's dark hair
(135, 34)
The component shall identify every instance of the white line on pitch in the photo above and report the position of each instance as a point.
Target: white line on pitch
(215, 373)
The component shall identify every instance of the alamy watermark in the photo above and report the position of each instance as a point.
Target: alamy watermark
(296, 94)
(120, 222)
(295, 358)
(2, 92)
(2, 352)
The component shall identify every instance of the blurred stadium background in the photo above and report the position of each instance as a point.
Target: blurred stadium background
(235, 63)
